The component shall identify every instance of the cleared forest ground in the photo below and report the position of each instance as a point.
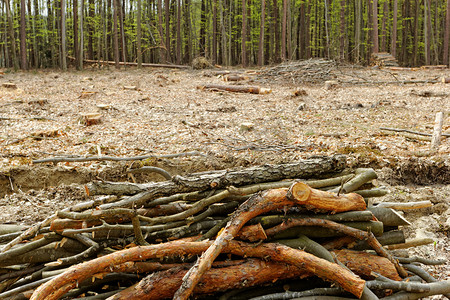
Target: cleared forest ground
(161, 111)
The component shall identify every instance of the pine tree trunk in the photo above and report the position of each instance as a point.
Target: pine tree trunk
(276, 55)
(139, 33)
(179, 41)
(394, 29)
(23, 37)
(81, 47)
(244, 34)
(283, 31)
(121, 9)
(214, 33)
(12, 38)
(35, 39)
(116, 35)
(162, 49)
(63, 35)
(288, 29)
(91, 29)
(426, 32)
(342, 31)
(75, 33)
(383, 26)
(445, 59)
(167, 15)
(375, 26)
(261, 34)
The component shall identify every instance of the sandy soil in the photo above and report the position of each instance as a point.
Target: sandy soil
(161, 111)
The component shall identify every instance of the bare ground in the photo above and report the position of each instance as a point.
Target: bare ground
(161, 111)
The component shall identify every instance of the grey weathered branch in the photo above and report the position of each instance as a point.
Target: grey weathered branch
(113, 158)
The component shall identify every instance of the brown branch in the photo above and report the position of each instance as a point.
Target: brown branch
(112, 158)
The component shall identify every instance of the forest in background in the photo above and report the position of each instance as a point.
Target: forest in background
(62, 33)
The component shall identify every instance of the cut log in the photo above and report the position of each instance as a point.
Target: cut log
(325, 201)
(235, 77)
(9, 85)
(235, 88)
(89, 119)
(445, 79)
(363, 264)
(163, 285)
(388, 216)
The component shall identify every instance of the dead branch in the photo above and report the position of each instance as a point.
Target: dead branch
(235, 88)
(407, 205)
(411, 131)
(112, 158)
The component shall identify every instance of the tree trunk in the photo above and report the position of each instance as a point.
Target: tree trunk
(394, 29)
(81, 47)
(63, 35)
(276, 26)
(261, 34)
(75, 33)
(116, 35)
(283, 31)
(179, 40)
(214, 32)
(23, 36)
(342, 31)
(121, 9)
(244, 34)
(426, 32)
(445, 59)
(288, 29)
(11, 35)
(139, 33)
(91, 29)
(375, 26)
(383, 26)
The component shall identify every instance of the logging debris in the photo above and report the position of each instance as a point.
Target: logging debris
(253, 227)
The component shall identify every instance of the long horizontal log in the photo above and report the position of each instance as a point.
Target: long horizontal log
(388, 216)
(279, 253)
(235, 88)
(163, 285)
(307, 168)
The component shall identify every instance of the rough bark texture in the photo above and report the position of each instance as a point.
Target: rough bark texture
(162, 285)
(363, 264)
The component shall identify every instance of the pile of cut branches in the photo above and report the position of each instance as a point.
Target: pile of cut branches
(268, 232)
(316, 70)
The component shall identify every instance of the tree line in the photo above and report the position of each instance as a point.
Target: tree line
(58, 33)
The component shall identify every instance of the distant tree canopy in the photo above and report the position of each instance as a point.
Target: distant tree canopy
(61, 33)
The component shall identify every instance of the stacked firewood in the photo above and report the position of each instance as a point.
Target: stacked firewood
(383, 59)
(269, 232)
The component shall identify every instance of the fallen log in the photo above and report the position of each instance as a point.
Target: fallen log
(163, 285)
(235, 88)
